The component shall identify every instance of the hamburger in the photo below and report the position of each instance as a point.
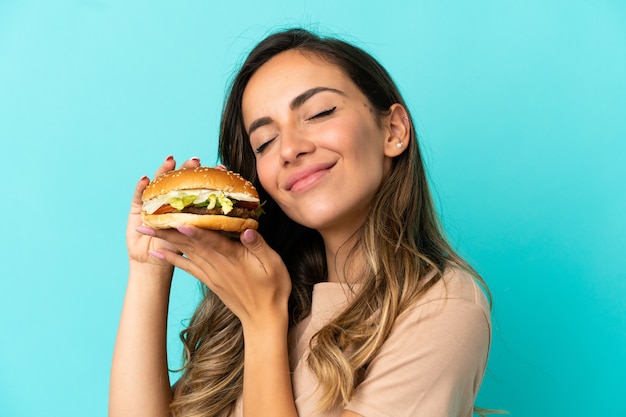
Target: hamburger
(205, 197)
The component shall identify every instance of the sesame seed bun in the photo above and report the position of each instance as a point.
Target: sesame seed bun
(200, 178)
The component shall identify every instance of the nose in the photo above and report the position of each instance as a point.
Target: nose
(294, 145)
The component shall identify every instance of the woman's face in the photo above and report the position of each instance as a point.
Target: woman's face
(320, 152)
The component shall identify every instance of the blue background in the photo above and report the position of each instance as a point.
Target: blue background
(521, 107)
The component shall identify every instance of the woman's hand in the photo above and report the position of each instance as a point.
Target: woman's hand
(139, 244)
(248, 276)
(139, 383)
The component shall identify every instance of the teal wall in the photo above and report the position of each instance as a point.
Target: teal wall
(521, 106)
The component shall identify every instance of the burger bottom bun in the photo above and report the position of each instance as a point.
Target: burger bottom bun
(204, 221)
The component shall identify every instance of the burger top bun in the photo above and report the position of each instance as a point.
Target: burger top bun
(200, 178)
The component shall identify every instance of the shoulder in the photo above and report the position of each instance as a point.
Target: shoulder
(454, 310)
(456, 287)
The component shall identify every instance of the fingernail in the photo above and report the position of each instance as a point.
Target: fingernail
(156, 254)
(169, 157)
(185, 230)
(249, 236)
(144, 230)
(145, 177)
(194, 158)
(220, 166)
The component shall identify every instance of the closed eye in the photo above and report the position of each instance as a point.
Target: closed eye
(323, 114)
(263, 146)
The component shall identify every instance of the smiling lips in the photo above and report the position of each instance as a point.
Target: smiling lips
(307, 176)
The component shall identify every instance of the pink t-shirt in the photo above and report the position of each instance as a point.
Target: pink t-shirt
(431, 365)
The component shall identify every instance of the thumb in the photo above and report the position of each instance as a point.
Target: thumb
(252, 240)
(257, 247)
(271, 261)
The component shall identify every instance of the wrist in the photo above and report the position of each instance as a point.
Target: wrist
(267, 326)
(266, 343)
(154, 272)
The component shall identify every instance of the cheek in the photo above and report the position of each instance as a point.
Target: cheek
(347, 136)
(364, 131)
(267, 176)
(367, 145)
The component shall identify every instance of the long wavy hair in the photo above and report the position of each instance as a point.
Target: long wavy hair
(401, 246)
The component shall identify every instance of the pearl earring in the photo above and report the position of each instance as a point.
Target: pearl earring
(399, 144)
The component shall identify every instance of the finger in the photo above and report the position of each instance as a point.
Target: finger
(210, 253)
(192, 240)
(209, 250)
(181, 262)
(192, 162)
(206, 239)
(141, 185)
(168, 165)
(189, 255)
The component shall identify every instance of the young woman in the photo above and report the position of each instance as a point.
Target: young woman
(348, 301)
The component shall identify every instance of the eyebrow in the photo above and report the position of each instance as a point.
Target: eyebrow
(297, 102)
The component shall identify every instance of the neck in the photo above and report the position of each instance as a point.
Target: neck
(342, 261)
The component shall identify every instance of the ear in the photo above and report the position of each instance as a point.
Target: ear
(399, 128)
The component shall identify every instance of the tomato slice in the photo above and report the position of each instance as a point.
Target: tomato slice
(247, 205)
(165, 208)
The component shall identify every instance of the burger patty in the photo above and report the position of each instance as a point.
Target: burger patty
(240, 212)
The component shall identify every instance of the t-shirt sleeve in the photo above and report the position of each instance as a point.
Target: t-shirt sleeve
(431, 365)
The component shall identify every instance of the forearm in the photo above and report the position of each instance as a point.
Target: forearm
(140, 383)
(267, 389)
